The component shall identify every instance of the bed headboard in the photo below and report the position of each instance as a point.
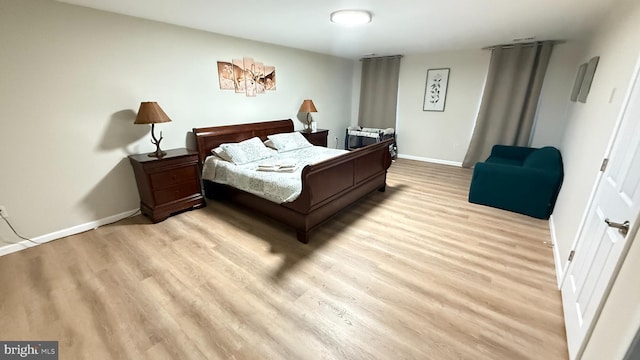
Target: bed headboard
(211, 137)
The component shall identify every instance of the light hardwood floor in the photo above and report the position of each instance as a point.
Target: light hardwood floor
(413, 273)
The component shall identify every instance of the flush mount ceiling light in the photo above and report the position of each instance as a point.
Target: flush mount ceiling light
(351, 17)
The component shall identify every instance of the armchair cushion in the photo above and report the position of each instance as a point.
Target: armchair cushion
(520, 179)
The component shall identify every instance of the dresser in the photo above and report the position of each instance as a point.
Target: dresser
(317, 137)
(169, 184)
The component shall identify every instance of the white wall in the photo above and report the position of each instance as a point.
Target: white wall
(554, 100)
(590, 126)
(441, 136)
(73, 78)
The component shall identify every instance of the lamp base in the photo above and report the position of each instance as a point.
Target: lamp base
(309, 120)
(159, 155)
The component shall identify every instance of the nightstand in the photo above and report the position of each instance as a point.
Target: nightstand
(169, 184)
(317, 137)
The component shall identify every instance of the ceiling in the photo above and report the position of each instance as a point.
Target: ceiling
(398, 26)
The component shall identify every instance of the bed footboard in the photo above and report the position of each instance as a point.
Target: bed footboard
(325, 182)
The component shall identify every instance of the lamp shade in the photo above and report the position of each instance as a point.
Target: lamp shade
(307, 106)
(151, 113)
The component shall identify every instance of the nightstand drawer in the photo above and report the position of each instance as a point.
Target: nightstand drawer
(176, 192)
(173, 177)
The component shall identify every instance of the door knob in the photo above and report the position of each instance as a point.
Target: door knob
(622, 228)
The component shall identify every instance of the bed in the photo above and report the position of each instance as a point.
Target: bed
(327, 187)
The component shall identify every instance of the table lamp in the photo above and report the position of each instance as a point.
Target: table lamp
(308, 107)
(151, 113)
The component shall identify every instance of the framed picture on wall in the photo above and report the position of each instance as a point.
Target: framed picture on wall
(588, 79)
(578, 83)
(435, 91)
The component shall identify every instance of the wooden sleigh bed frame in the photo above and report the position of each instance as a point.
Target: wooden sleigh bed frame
(327, 187)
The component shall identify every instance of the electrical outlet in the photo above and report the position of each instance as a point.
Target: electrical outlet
(3, 211)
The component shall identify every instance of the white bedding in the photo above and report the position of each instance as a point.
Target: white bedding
(275, 186)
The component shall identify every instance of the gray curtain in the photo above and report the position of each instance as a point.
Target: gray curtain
(510, 99)
(379, 92)
(633, 353)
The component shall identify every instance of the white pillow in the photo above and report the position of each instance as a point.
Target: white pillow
(268, 143)
(289, 141)
(218, 152)
(247, 151)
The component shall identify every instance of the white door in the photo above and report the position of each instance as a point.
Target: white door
(602, 240)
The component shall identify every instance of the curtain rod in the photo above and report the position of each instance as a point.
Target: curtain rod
(534, 43)
(382, 57)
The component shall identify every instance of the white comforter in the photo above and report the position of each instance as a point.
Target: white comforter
(275, 186)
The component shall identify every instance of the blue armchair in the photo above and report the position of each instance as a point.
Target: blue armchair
(519, 179)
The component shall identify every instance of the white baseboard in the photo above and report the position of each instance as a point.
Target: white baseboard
(435, 161)
(24, 244)
(556, 252)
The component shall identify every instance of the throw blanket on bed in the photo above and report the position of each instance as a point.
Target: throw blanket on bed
(277, 186)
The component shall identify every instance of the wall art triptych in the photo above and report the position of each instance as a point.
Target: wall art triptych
(246, 76)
